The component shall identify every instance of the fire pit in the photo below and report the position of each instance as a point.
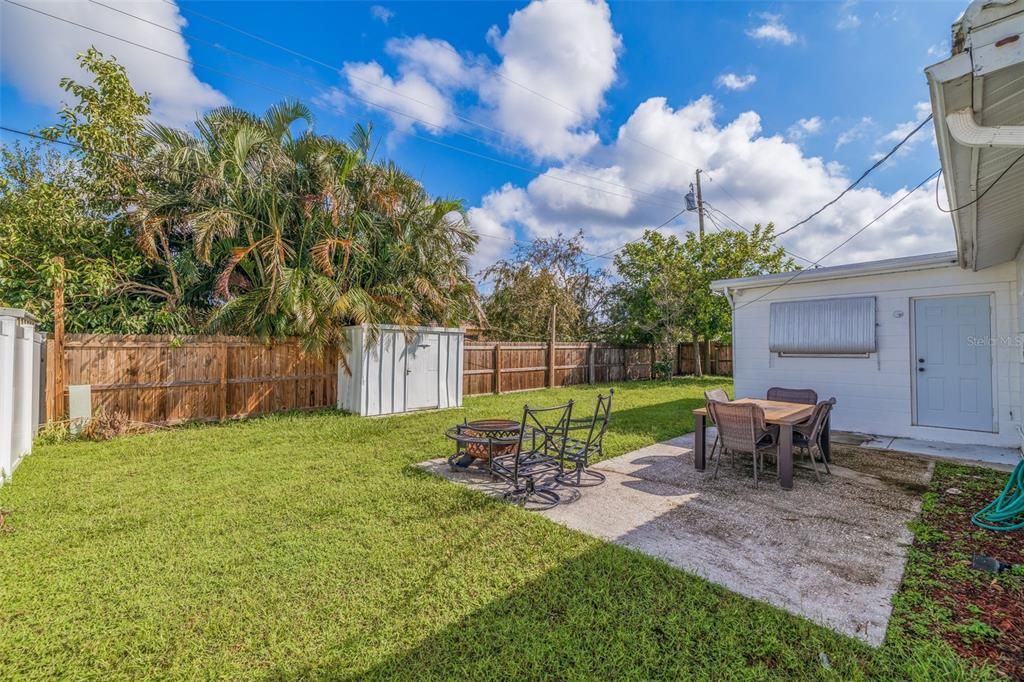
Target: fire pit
(483, 439)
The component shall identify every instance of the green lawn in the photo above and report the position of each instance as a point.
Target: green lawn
(306, 546)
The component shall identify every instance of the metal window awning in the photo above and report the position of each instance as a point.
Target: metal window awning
(828, 326)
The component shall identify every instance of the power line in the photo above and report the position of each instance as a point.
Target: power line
(322, 84)
(977, 198)
(369, 102)
(633, 241)
(445, 45)
(748, 231)
(845, 241)
(858, 180)
(333, 67)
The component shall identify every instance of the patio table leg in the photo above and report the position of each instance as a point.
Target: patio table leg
(786, 456)
(698, 442)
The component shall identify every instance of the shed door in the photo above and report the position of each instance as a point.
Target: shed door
(421, 372)
(953, 362)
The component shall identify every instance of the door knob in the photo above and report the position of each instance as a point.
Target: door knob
(920, 369)
(920, 359)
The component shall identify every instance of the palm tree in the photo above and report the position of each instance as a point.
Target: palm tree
(302, 233)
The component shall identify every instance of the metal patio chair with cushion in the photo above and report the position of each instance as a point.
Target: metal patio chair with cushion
(742, 429)
(579, 451)
(807, 434)
(804, 396)
(538, 454)
(718, 395)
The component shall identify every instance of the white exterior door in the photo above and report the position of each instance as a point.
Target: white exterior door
(422, 360)
(953, 362)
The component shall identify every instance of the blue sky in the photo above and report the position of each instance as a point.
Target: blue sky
(782, 102)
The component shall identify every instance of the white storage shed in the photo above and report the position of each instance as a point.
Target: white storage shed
(398, 370)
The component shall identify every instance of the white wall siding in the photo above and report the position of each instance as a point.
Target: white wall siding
(384, 370)
(875, 393)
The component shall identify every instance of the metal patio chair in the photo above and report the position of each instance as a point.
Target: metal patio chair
(718, 395)
(539, 453)
(804, 396)
(579, 451)
(807, 434)
(742, 429)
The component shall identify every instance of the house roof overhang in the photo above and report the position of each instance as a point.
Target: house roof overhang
(977, 98)
(888, 266)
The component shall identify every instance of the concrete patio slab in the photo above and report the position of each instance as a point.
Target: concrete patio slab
(831, 551)
(1004, 459)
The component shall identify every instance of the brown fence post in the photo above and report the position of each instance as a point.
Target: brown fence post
(497, 368)
(222, 352)
(652, 361)
(58, 341)
(551, 348)
(590, 363)
(625, 363)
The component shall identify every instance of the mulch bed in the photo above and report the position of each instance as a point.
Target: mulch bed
(979, 614)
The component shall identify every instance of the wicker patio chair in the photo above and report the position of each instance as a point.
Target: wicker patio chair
(718, 395)
(742, 429)
(805, 396)
(807, 434)
(578, 451)
(539, 453)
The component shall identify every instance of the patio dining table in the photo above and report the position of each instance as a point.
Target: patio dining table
(783, 415)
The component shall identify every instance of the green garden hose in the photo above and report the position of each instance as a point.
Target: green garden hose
(1006, 512)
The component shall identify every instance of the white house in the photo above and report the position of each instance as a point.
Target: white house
(928, 347)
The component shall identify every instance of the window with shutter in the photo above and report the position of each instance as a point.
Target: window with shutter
(828, 326)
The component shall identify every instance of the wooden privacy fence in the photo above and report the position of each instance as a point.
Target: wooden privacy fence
(504, 367)
(714, 360)
(173, 379)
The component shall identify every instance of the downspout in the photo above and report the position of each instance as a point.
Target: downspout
(732, 316)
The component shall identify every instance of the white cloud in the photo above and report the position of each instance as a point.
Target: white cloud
(753, 177)
(37, 51)
(855, 132)
(566, 50)
(805, 127)
(409, 101)
(333, 99)
(381, 13)
(436, 60)
(491, 221)
(848, 19)
(772, 30)
(939, 50)
(733, 81)
(921, 111)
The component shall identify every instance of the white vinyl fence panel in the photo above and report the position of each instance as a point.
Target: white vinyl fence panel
(21, 354)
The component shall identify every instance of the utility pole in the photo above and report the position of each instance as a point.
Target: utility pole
(697, 369)
(700, 206)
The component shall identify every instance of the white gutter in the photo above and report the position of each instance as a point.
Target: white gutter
(967, 132)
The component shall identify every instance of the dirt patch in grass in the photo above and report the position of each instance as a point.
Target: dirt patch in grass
(980, 615)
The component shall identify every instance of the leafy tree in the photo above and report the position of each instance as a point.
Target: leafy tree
(664, 293)
(73, 206)
(546, 273)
